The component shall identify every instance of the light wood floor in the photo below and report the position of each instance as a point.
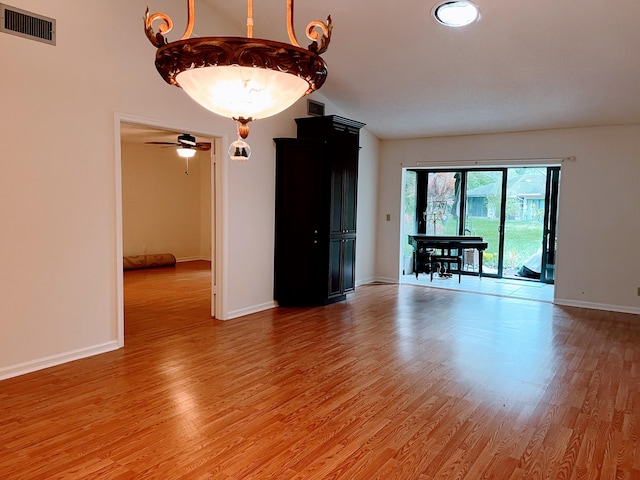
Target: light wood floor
(398, 382)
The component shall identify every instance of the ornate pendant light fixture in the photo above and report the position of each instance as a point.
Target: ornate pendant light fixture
(242, 78)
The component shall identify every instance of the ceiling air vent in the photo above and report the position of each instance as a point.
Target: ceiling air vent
(28, 25)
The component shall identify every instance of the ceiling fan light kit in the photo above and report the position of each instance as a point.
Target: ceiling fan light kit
(187, 147)
(241, 78)
(185, 141)
(186, 152)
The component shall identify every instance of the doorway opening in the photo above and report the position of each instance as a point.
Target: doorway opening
(513, 209)
(164, 204)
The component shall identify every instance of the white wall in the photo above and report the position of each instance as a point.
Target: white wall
(57, 174)
(368, 168)
(163, 209)
(598, 232)
(58, 178)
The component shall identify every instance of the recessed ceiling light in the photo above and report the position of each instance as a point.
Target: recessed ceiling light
(456, 13)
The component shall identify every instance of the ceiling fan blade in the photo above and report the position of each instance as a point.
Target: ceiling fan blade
(204, 146)
(162, 143)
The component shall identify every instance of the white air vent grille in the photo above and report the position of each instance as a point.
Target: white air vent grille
(28, 25)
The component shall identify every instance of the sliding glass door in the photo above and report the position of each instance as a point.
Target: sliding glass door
(514, 210)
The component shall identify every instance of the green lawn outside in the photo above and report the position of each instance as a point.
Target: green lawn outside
(522, 239)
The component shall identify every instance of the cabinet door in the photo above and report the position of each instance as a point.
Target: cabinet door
(301, 192)
(349, 265)
(344, 185)
(342, 266)
(350, 192)
(335, 266)
(337, 195)
(301, 244)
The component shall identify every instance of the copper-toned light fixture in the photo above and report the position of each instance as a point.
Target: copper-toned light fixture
(242, 78)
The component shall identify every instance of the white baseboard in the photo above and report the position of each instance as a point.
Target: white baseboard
(365, 281)
(596, 306)
(53, 360)
(188, 259)
(249, 310)
(385, 280)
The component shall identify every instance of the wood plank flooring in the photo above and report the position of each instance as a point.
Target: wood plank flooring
(398, 382)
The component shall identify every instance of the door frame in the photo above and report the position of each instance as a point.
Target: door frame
(550, 229)
(218, 221)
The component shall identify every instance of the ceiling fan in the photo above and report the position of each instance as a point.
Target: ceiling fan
(187, 147)
(186, 142)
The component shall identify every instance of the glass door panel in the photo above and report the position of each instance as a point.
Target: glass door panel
(442, 212)
(483, 217)
(524, 222)
(409, 220)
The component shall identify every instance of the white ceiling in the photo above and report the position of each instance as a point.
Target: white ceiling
(524, 66)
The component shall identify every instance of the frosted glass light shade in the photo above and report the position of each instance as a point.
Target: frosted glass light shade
(186, 152)
(242, 92)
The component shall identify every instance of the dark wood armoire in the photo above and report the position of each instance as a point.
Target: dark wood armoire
(316, 192)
